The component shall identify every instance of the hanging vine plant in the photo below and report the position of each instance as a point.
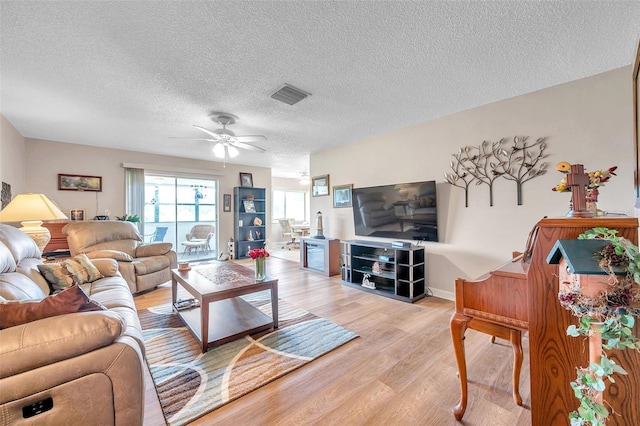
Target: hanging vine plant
(609, 314)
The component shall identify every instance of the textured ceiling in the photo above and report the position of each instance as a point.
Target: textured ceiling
(130, 75)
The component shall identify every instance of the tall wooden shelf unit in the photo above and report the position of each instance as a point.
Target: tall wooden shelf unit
(247, 235)
(401, 274)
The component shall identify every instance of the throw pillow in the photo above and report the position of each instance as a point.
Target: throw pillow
(68, 301)
(78, 270)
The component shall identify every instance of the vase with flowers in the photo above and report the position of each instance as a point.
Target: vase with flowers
(259, 256)
(597, 179)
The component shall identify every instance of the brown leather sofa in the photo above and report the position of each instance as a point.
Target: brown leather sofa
(76, 368)
(144, 266)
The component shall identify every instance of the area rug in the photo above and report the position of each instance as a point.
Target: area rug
(191, 384)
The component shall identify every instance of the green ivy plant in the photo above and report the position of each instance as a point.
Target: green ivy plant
(613, 318)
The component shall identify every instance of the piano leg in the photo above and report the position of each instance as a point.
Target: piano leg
(516, 342)
(458, 328)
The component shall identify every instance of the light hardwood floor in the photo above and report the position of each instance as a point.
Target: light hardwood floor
(400, 371)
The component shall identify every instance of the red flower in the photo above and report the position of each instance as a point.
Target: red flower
(255, 253)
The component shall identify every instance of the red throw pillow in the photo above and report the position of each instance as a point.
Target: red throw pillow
(70, 300)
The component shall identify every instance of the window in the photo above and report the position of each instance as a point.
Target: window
(289, 204)
(179, 203)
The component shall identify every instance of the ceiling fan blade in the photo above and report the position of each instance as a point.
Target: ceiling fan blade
(247, 146)
(251, 138)
(193, 139)
(207, 131)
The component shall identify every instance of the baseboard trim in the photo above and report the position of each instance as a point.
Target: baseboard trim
(443, 294)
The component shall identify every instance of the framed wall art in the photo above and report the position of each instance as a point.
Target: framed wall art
(342, 195)
(226, 203)
(6, 195)
(76, 214)
(249, 206)
(320, 186)
(246, 180)
(79, 183)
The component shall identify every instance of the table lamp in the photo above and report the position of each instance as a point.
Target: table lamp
(30, 210)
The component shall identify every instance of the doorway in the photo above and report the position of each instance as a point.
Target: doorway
(184, 212)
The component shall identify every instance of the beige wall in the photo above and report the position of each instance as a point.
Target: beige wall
(45, 159)
(12, 157)
(588, 121)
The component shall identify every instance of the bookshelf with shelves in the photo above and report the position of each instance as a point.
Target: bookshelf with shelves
(250, 207)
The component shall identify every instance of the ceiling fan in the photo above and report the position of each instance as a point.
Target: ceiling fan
(227, 142)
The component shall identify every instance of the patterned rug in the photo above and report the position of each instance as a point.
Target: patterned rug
(191, 384)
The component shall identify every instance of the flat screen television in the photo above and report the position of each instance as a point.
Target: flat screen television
(401, 211)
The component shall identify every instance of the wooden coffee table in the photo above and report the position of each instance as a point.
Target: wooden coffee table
(222, 315)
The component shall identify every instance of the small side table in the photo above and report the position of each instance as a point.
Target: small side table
(320, 255)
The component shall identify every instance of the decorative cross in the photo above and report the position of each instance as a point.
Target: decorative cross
(578, 180)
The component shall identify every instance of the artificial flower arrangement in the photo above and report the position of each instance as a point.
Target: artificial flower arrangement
(257, 253)
(597, 179)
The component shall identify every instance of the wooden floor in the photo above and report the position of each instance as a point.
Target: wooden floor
(400, 371)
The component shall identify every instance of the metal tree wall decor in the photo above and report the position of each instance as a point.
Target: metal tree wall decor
(519, 161)
(460, 177)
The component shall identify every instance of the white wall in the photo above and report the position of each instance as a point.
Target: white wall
(587, 121)
(45, 159)
(12, 157)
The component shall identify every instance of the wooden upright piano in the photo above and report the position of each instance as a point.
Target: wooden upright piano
(521, 296)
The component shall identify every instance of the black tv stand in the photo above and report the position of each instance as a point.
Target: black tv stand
(395, 272)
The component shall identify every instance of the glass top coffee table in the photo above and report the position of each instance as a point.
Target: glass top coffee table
(222, 315)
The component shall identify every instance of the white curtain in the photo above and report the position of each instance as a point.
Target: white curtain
(134, 191)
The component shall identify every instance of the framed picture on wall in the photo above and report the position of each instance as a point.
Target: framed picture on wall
(320, 186)
(226, 203)
(246, 180)
(67, 182)
(342, 195)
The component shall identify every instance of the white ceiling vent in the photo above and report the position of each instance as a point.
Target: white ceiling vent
(289, 95)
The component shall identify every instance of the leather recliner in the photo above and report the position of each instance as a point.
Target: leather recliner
(143, 266)
(76, 368)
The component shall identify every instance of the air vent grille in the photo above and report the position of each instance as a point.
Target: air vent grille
(289, 95)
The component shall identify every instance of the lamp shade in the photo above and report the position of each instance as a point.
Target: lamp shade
(30, 207)
(218, 150)
(30, 210)
(233, 152)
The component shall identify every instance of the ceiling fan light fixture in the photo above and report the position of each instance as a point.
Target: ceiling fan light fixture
(304, 179)
(218, 150)
(233, 152)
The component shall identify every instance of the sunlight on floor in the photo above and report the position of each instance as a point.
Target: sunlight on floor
(293, 254)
